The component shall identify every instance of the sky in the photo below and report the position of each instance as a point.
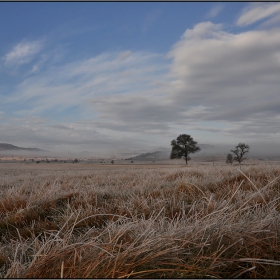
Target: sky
(118, 78)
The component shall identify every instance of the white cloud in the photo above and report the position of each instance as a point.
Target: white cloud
(271, 22)
(22, 53)
(215, 11)
(203, 30)
(75, 84)
(234, 76)
(259, 11)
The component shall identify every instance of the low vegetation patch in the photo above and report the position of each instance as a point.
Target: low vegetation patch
(127, 222)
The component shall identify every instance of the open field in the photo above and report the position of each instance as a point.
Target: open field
(139, 220)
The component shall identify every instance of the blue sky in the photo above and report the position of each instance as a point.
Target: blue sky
(112, 78)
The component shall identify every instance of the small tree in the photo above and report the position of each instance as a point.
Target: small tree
(229, 159)
(183, 146)
(240, 150)
(112, 161)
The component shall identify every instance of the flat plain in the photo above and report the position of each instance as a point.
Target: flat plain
(156, 220)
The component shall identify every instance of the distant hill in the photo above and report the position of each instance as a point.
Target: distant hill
(10, 147)
(165, 153)
(151, 156)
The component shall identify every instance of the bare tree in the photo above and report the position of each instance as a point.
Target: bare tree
(183, 146)
(240, 150)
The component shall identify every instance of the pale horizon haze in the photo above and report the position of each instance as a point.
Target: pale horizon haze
(111, 78)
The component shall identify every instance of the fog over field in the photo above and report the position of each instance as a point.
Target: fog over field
(260, 150)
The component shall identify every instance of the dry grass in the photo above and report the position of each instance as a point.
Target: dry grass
(139, 222)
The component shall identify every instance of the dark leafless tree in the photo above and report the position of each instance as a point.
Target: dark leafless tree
(240, 150)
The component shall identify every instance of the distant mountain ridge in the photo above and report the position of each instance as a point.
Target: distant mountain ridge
(10, 147)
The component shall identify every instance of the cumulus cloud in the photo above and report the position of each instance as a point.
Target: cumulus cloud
(258, 12)
(232, 76)
(22, 53)
(210, 65)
